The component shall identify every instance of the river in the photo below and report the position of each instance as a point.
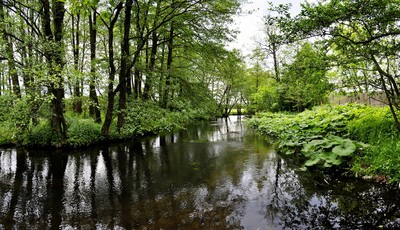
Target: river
(215, 175)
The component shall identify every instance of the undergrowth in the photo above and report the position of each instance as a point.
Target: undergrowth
(143, 118)
(353, 136)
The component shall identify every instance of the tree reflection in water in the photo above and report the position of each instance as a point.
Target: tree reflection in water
(213, 176)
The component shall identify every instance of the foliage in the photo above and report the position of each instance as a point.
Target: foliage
(374, 124)
(330, 136)
(377, 128)
(329, 151)
(266, 98)
(318, 134)
(166, 53)
(40, 135)
(6, 102)
(7, 132)
(83, 132)
(148, 118)
(362, 37)
(304, 83)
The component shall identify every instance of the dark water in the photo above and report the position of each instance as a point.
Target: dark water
(212, 176)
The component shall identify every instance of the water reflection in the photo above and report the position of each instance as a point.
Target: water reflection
(213, 176)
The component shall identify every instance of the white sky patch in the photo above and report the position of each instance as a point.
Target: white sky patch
(251, 25)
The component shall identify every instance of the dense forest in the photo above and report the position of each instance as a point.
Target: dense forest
(73, 72)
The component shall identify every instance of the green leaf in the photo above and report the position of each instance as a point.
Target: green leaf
(312, 162)
(333, 159)
(345, 149)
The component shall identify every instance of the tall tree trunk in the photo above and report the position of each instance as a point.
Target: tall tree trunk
(169, 67)
(276, 63)
(161, 79)
(77, 105)
(54, 54)
(94, 108)
(124, 70)
(27, 58)
(9, 53)
(137, 83)
(151, 66)
(154, 47)
(105, 129)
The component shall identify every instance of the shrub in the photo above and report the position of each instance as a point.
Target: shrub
(373, 125)
(83, 132)
(8, 132)
(40, 134)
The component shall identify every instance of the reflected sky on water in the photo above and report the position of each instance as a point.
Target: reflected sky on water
(214, 175)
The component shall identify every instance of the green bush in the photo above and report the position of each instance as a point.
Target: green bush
(374, 125)
(40, 135)
(6, 104)
(8, 132)
(83, 132)
(148, 118)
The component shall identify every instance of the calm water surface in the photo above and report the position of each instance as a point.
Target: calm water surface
(216, 175)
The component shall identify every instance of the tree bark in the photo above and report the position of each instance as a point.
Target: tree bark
(154, 47)
(124, 70)
(77, 104)
(54, 54)
(105, 129)
(170, 46)
(276, 63)
(94, 108)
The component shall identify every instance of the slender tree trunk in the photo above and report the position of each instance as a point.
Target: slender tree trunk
(169, 67)
(94, 108)
(161, 79)
(105, 129)
(124, 70)
(276, 64)
(138, 83)
(154, 47)
(77, 104)
(9, 53)
(27, 58)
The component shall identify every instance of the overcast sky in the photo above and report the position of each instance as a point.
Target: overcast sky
(250, 26)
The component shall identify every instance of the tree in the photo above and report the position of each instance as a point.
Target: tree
(110, 23)
(362, 32)
(9, 52)
(94, 107)
(114, 52)
(53, 51)
(304, 82)
(261, 90)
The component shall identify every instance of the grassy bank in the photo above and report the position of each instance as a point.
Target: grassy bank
(143, 118)
(353, 138)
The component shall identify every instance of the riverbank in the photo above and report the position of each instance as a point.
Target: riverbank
(143, 118)
(354, 138)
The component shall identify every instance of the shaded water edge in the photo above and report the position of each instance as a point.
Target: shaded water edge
(215, 175)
